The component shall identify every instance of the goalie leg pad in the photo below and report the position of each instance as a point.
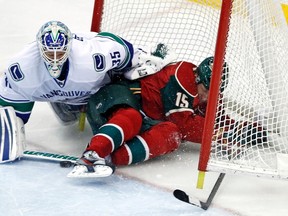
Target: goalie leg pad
(12, 143)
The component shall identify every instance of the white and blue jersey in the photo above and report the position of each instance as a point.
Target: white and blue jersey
(92, 55)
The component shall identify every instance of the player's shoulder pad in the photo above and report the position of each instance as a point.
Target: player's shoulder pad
(185, 75)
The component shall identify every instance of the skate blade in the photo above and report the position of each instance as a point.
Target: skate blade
(81, 171)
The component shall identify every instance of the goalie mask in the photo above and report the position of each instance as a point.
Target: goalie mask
(204, 72)
(54, 42)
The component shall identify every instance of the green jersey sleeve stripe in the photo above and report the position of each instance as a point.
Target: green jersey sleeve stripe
(21, 107)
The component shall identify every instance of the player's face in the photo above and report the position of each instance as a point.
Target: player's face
(202, 93)
(55, 55)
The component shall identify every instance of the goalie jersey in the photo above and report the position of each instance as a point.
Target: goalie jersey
(92, 55)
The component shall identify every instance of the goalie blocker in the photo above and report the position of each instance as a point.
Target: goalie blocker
(151, 61)
(12, 143)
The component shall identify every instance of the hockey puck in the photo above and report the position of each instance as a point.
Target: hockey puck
(66, 164)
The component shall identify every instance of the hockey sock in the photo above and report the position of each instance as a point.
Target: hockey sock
(159, 140)
(124, 124)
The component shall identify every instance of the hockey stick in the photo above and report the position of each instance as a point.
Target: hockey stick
(100, 170)
(181, 195)
(65, 160)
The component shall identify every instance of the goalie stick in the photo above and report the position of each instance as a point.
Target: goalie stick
(65, 160)
(181, 195)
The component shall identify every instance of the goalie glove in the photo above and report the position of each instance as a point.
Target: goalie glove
(90, 165)
(12, 142)
(150, 62)
(232, 141)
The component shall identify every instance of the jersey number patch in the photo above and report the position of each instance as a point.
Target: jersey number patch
(181, 100)
(116, 58)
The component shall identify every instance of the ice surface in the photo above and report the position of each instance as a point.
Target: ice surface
(36, 188)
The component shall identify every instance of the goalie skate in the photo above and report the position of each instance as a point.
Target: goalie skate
(95, 171)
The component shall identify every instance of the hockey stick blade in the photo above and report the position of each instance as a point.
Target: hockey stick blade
(181, 195)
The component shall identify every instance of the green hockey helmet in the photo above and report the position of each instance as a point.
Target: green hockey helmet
(204, 72)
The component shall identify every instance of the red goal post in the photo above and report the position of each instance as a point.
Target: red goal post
(97, 15)
(246, 128)
(214, 90)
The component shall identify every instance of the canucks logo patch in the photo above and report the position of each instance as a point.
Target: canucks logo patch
(99, 62)
(15, 72)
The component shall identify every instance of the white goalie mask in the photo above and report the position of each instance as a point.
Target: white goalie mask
(54, 41)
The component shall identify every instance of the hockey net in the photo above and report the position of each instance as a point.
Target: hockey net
(250, 126)
(248, 120)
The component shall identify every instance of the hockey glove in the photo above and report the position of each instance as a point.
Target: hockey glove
(150, 62)
(232, 141)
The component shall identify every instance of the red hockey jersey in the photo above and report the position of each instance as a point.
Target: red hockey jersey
(171, 94)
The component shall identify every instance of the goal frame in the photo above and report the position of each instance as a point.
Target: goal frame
(220, 49)
(97, 15)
